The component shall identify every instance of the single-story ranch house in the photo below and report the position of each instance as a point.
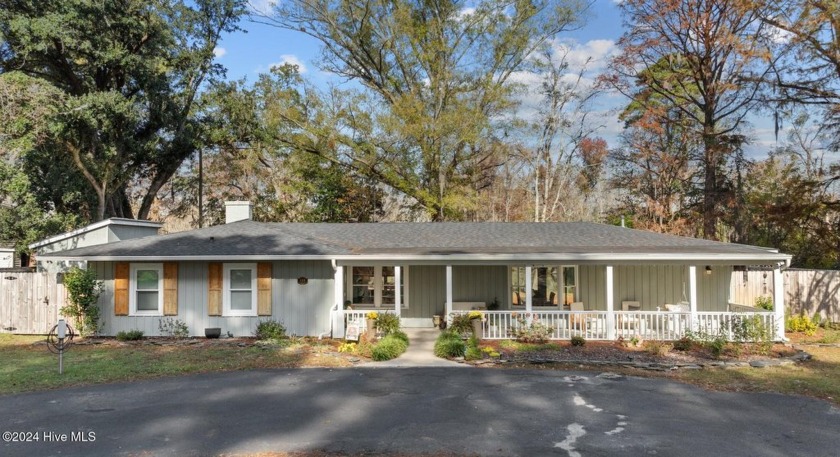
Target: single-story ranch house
(595, 280)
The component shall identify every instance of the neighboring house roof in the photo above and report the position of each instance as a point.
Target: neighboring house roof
(469, 241)
(95, 226)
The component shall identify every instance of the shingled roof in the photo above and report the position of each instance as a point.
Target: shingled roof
(452, 240)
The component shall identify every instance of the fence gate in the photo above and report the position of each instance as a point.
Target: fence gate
(29, 302)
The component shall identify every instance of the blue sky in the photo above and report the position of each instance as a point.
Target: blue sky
(247, 54)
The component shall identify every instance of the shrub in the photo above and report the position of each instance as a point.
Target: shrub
(683, 344)
(764, 302)
(751, 329)
(270, 330)
(130, 335)
(460, 323)
(388, 323)
(83, 290)
(449, 344)
(800, 323)
(578, 340)
(657, 347)
(389, 347)
(714, 343)
(400, 335)
(472, 352)
(530, 332)
(817, 319)
(173, 327)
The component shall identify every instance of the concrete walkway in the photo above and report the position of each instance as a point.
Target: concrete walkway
(420, 352)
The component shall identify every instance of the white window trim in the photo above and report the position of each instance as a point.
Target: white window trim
(561, 285)
(226, 310)
(132, 286)
(379, 286)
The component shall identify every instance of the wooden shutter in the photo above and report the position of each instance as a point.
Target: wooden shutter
(214, 292)
(264, 289)
(170, 289)
(121, 277)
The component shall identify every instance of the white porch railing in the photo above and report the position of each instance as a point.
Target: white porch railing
(359, 316)
(653, 325)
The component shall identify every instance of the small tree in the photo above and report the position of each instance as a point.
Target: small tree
(83, 290)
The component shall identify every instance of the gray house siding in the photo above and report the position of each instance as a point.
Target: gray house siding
(129, 232)
(426, 291)
(304, 309)
(427, 287)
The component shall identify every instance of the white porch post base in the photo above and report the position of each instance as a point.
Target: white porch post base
(779, 302)
(692, 297)
(610, 305)
(338, 310)
(448, 292)
(397, 290)
(529, 300)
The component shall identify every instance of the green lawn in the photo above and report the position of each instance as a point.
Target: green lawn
(26, 365)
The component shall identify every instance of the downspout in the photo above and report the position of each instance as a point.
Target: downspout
(334, 308)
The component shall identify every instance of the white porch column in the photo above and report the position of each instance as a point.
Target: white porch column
(448, 292)
(397, 290)
(338, 314)
(610, 305)
(692, 296)
(779, 302)
(528, 290)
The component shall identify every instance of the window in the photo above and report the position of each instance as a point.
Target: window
(547, 282)
(239, 296)
(146, 289)
(375, 287)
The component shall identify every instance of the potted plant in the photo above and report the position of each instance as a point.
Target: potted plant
(371, 323)
(477, 322)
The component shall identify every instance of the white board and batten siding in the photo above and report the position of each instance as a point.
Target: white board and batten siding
(427, 288)
(29, 302)
(656, 285)
(303, 309)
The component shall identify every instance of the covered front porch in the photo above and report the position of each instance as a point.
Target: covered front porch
(595, 301)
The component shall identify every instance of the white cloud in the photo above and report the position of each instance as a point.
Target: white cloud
(290, 59)
(780, 36)
(264, 7)
(219, 52)
(593, 54)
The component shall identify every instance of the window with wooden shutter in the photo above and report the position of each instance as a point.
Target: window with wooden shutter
(121, 275)
(214, 292)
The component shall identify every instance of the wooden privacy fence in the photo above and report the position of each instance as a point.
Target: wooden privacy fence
(29, 302)
(806, 291)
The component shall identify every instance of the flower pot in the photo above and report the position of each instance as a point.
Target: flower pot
(371, 328)
(477, 328)
(214, 332)
(436, 320)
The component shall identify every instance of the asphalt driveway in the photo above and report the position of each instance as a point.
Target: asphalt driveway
(414, 411)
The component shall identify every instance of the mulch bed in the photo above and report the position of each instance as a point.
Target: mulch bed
(643, 356)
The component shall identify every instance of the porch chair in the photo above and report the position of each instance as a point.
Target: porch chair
(577, 320)
(630, 324)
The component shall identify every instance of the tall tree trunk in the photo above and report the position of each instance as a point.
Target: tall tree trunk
(710, 191)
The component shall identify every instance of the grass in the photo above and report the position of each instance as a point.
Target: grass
(830, 335)
(27, 365)
(819, 377)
